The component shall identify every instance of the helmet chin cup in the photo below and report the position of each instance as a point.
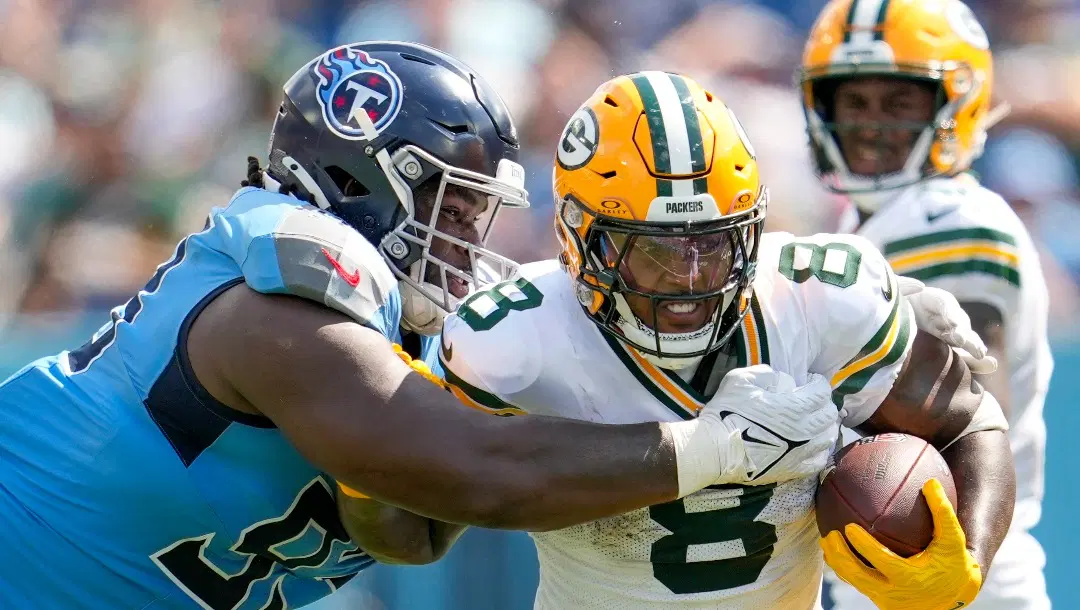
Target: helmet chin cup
(420, 314)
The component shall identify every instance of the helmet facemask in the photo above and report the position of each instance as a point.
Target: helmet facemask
(438, 267)
(672, 291)
(905, 148)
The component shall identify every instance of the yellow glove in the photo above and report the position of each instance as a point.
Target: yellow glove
(943, 577)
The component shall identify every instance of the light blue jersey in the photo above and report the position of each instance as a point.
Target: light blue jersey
(125, 485)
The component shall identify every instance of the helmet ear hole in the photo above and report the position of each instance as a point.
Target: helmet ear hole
(346, 183)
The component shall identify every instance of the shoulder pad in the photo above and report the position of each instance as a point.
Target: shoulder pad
(497, 336)
(859, 327)
(978, 236)
(284, 246)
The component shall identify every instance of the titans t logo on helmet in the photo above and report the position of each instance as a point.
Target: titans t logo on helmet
(359, 96)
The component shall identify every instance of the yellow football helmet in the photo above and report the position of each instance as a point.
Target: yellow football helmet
(658, 209)
(939, 42)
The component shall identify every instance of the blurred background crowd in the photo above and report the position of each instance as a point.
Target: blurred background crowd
(122, 122)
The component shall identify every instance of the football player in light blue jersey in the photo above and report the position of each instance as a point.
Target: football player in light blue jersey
(189, 455)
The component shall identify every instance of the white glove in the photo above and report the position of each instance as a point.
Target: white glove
(759, 428)
(939, 313)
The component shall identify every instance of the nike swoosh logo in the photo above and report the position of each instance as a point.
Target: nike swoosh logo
(784, 448)
(933, 217)
(778, 445)
(761, 441)
(887, 291)
(352, 279)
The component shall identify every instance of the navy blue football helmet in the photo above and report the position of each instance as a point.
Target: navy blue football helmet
(362, 127)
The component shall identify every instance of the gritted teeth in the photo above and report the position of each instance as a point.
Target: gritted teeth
(685, 307)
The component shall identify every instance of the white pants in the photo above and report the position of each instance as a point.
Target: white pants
(1015, 580)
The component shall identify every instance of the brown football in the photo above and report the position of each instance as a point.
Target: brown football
(877, 483)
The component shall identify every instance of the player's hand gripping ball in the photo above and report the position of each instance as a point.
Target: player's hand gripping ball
(881, 537)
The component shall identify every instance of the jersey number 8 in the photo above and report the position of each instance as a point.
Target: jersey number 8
(712, 550)
(834, 263)
(484, 310)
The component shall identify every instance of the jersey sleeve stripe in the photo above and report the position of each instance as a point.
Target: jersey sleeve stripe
(953, 235)
(955, 253)
(479, 399)
(901, 336)
(1009, 274)
(877, 348)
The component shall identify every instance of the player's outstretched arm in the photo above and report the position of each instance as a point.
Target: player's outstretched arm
(354, 409)
(936, 398)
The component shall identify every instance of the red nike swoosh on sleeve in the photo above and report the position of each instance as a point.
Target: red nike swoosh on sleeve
(352, 279)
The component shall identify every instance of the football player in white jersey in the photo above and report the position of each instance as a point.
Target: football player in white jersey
(668, 303)
(897, 99)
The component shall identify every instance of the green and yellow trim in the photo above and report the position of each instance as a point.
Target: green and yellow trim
(884, 349)
(672, 391)
(678, 148)
(478, 399)
(866, 21)
(956, 252)
(751, 344)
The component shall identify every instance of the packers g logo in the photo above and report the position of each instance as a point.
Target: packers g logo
(577, 145)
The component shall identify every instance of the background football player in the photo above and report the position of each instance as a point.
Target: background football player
(665, 299)
(897, 98)
(183, 457)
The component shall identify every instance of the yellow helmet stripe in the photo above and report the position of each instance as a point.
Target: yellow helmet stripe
(677, 144)
(866, 20)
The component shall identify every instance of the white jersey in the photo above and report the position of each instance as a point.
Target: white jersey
(952, 233)
(826, 304)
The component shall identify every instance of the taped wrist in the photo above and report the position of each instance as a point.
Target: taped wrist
(707, 452)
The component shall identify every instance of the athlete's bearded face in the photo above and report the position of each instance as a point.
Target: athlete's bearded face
(460, 214)
(878, 120)
(672, 266)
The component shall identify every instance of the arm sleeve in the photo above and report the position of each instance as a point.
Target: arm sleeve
(285, 247)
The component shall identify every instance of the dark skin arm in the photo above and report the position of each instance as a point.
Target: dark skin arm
(971, 459)
(352, 408)
(934, 398)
